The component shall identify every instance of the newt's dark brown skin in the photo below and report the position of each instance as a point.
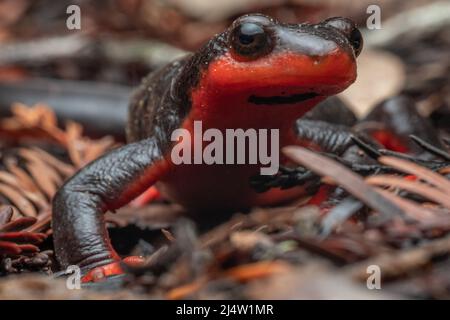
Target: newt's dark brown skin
(392, 121)
(258, 74)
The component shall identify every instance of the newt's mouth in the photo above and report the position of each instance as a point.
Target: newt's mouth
(273, 100)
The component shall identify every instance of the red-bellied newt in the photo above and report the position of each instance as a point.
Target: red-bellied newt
(259, 73)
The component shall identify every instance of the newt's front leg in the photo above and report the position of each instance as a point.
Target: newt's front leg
(333, 138)
(80, 235)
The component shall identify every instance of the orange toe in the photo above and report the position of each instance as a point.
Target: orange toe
(112, 269)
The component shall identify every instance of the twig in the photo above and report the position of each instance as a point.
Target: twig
(397, 263)
(430, 148)
(419, 171)
(342, 212)
(347, 179)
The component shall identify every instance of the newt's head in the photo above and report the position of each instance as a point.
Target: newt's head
(265, 62)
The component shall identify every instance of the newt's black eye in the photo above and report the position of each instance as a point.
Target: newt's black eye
(356, 40)
(250, 40)
(348, 28)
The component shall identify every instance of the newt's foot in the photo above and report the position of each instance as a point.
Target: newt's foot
(106, 271)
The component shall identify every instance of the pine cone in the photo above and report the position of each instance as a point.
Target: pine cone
(37, 158)
(31, 174)
(18, 245)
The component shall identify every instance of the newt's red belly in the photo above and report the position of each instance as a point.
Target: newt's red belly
(219, 186)
(227, 186)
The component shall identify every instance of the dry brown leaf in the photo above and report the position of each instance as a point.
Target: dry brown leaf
(63, 168)
(380, 75)
(33, 196)
(186, 290)
(43, 176)
(19, 201)
(32, 184)
(22, 175)
(257, 270)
